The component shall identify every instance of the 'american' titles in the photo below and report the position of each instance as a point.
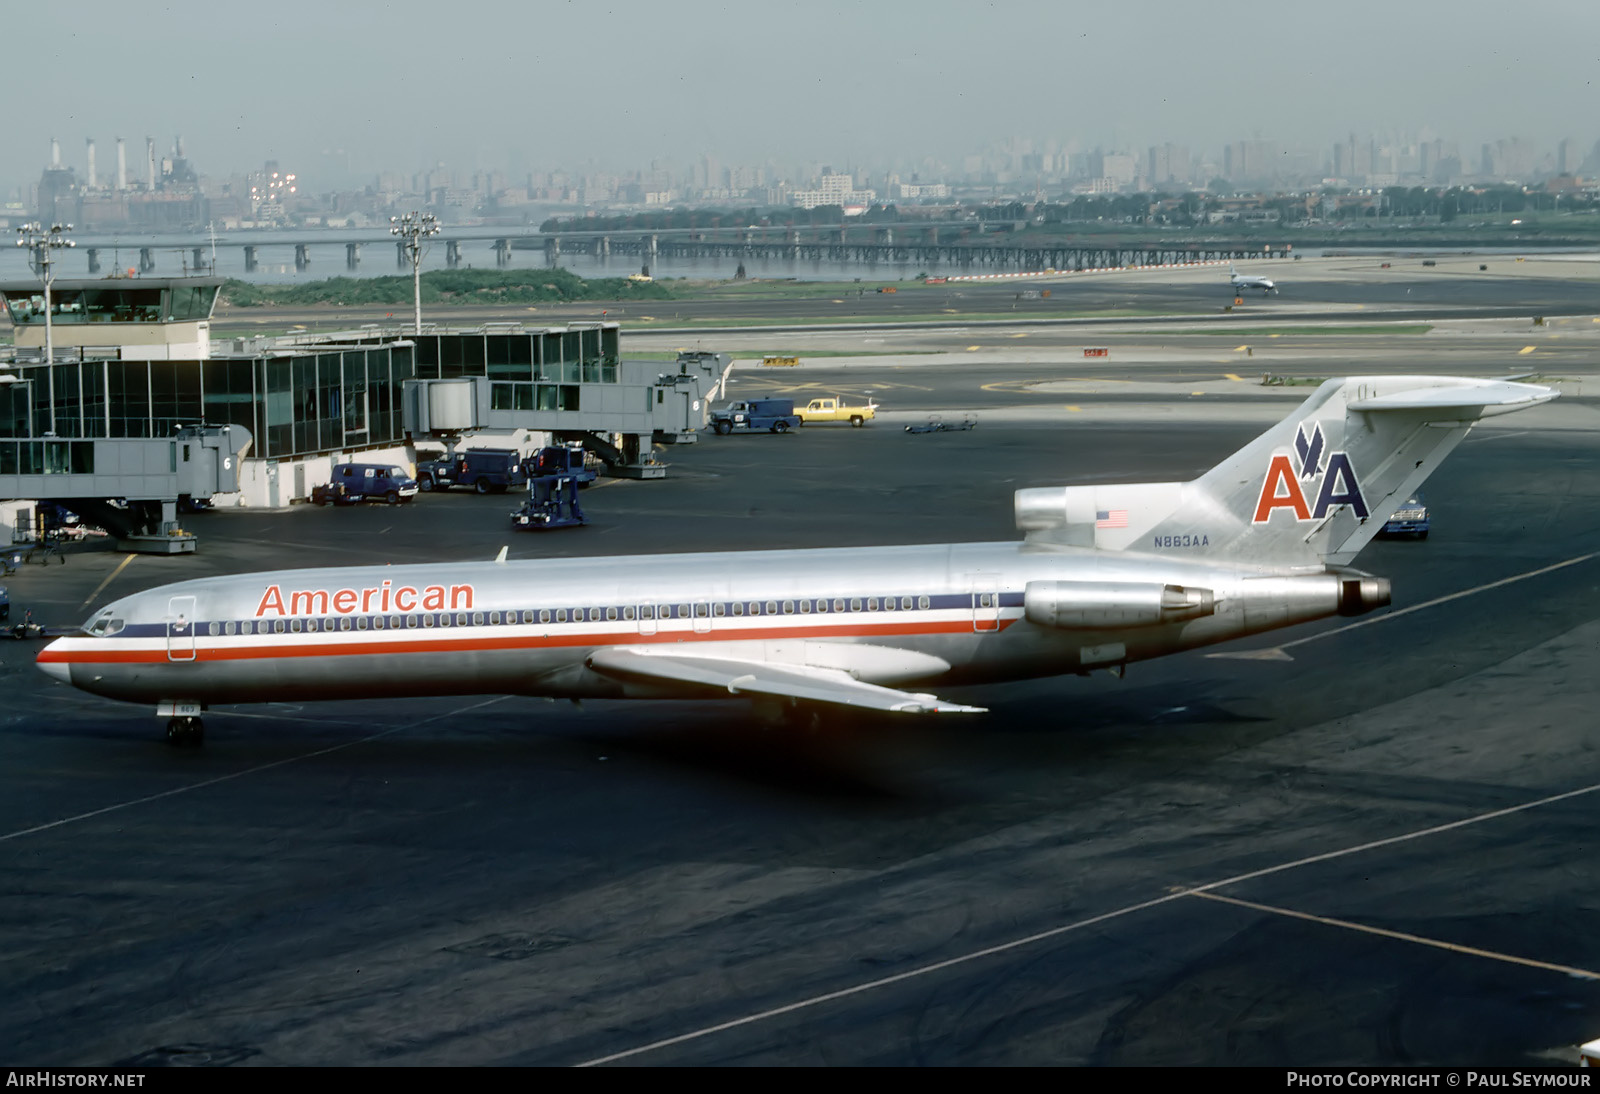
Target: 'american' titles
(378, 598)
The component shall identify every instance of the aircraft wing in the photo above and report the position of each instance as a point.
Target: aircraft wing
(787, 681)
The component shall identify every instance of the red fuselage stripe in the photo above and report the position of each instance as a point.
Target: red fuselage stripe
(471, 643)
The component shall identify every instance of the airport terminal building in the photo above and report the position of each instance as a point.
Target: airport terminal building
(135, 363)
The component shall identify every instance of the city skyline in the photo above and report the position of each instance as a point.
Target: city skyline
(492, 86)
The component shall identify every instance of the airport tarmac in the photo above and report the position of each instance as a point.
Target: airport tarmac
(1349, 288)
(1363, 843)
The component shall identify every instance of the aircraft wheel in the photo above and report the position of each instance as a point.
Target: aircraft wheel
(185, 732)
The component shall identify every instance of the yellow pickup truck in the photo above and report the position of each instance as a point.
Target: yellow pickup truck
(834, 409)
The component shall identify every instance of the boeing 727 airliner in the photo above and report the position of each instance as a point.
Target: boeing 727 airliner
(1107, 575)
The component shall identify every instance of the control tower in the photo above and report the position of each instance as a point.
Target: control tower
(147, 318)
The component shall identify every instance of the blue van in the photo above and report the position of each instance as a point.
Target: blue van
(355, 482)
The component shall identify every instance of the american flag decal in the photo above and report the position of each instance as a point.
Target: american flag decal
(1111, 518)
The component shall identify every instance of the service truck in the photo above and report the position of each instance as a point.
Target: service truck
(776, 415)
(835, 409)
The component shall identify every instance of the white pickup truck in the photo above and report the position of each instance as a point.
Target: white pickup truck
(834, 409)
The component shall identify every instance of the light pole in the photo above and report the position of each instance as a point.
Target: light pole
(413, 228)
(40, 241)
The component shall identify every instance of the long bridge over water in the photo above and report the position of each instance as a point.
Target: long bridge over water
(959, 245)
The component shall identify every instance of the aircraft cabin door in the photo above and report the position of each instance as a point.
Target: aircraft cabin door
(702, 617)
(985, 590)
(647, 619)
(180, 628)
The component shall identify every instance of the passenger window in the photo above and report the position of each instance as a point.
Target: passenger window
(444, 619)
(627, 611)
(427, 620)
(888, 603)
(905, 602)
(477, 619)
(805, 607)
(611, 613)
(544, 615)
(683, 611)
(295, 626)
(872, 603)
(278, 626)
(772, 607)
(596, 614)
(701, 610)
(788, 607)
(738, 607)
(344, 624)
(561, 615)
(361, 623)
(247, 627)
(855, 603)
(411, 621)
(227, 628)
(922, 602)
(461, 619)
(718, 609)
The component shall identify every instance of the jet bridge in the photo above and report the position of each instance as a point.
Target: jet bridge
(621, 420)
(132, 487)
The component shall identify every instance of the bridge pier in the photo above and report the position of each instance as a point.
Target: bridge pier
(250, 262)
(352, 255)
(604, 247)
(452, 254)
(302, 255)
(199, 254)
(502, 253)
(552, 251)
(147, 259)
(94, 260)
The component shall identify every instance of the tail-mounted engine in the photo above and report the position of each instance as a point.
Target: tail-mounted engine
(1100, 604)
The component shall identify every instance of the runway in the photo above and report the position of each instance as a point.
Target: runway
(1361, 845)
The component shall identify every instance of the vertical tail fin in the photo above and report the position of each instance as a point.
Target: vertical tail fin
(1312, 490)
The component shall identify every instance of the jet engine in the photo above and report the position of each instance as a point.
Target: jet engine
(1101, 604)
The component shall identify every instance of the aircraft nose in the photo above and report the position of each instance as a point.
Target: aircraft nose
(59, 670)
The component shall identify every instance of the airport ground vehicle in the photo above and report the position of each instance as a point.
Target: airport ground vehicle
(356, 482)
(568, 460)
(5, 604)
(835, 409)
(436, 474)
(486, 470)
(1411, 519)
(490, 470)
(774, 415)
(552, 503)
(1108, 574)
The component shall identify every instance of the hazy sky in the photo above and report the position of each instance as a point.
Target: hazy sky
(537, 86)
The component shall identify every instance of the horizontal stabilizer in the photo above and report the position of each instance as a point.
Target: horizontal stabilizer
(788, 681)
(1494, 396)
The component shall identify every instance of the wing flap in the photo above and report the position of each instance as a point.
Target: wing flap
(789, 681)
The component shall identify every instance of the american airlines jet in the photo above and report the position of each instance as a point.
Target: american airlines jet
(1107, 575)
(1251, 281)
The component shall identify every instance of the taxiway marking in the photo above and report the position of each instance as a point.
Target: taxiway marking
(123, 565)
(19, 833)
(1401, 936)
(1077, 925)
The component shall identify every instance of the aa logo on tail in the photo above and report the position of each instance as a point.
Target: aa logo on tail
(1333, 484)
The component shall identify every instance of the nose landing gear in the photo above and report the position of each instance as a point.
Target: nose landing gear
(186, 732)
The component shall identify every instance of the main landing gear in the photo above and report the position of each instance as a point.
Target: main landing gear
(186, 732)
